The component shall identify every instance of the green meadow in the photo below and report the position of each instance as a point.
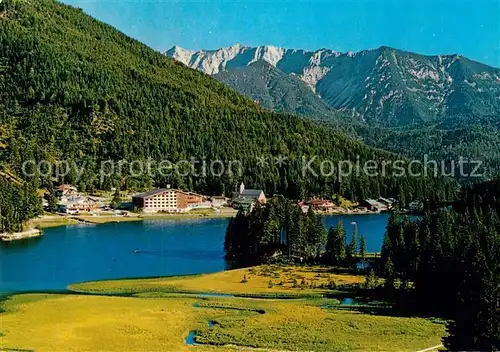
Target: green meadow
(159, 314)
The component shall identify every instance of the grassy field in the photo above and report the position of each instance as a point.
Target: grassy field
(259, 280)
(158, 319)
(106, 219)
(93, 323)
(291, 325)
(51, 221)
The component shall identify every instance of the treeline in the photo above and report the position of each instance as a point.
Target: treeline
(473, 138)
(282, 231)
(18, 204)
(449, 263)
(75, 89)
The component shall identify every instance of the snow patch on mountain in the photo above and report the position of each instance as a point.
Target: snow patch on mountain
(306, 65)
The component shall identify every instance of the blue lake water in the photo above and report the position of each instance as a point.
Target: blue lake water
(371, 225)
(70, 254)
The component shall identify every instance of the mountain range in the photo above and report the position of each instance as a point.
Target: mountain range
(381, 86)
(393, 99)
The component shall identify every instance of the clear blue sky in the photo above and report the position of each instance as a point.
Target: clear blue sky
(469, 28)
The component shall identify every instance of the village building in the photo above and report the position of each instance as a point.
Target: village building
(218, 201)
(387, 202)
(167, 200)
(74, 204)
(416, 206)
(322, 204)
(66, 190)
(247, 198)
(373, 205)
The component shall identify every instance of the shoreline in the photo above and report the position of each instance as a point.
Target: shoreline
(18, 236)
(52, 220)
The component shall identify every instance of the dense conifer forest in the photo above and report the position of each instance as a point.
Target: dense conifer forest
(446, 264)
(18, 204)
(449, 264)
(74, 89)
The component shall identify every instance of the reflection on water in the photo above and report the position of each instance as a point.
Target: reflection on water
(77, 253)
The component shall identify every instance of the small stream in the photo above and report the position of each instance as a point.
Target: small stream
(347, 301)
(190, 339)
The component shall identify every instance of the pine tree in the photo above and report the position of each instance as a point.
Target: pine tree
(331, 240)
(370, 280)
(340, 243)
(354, 240)
(51, 199)
(476, 325)
(116, 201)
(362, 247)
(389, 275)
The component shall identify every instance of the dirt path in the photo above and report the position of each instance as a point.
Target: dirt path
(433, 348)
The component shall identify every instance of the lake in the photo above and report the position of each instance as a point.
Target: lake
(70, 254)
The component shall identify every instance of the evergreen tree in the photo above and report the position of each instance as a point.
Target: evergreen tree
(362, 247)
(116, 201)
(331, 246)
(51, 199)
(370, 280)
(389, 275)
(341, 243)
(476, 325)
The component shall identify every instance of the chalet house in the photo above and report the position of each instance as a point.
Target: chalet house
(387, 202)
(321, 204)
(373, 205)
(167, 200)
(75, 204)
(416, 206)
(66, 190)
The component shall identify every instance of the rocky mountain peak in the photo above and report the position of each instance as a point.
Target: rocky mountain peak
(383, 85)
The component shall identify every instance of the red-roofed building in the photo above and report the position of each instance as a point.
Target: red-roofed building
(322, 204)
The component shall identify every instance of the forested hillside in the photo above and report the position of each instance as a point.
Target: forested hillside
(278, 91)
(467, 137)
(448, 262)
(73, 88)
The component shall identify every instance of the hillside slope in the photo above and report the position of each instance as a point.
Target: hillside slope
(73, 88)
(275, 90)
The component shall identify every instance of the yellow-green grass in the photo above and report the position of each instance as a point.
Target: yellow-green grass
(52, 322)
(51, 221)
(106, 219)
(54, 220)
(291, 325)
(284, 279)
(94, 323)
